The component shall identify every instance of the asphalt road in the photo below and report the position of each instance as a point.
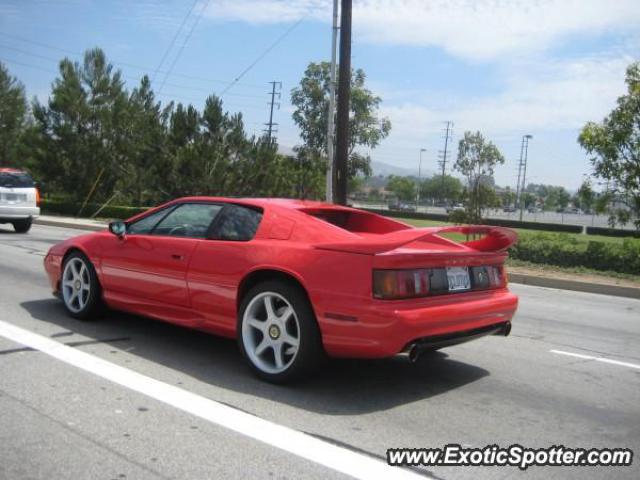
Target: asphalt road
(60, 421)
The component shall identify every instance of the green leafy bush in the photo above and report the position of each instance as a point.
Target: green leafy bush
(566, 251)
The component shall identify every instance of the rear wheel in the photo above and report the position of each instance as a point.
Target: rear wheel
(22, 226)
(80, 287)
(277, 332)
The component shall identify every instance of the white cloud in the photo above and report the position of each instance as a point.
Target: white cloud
(538, 97)
(472, 29)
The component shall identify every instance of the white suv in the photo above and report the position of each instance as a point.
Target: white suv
(19, 199)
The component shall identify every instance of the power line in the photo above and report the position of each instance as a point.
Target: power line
(177, 57)
(173, 40)
(170, 95)
(263, 54)
(126, 64)
(176, 85)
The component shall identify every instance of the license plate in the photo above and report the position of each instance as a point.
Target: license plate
(458, 278)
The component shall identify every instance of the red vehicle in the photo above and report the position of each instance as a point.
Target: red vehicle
(292, 280)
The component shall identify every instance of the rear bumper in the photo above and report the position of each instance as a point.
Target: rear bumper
(385, 328)
(15, 212)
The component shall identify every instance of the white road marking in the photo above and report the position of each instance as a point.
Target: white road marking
(293, 441)
(597, 359)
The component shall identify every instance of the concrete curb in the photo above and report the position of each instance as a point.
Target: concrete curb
(94, 227)
(534, 280)
(563, 284)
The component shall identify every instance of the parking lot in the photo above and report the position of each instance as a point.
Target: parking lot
(62, 419)
(542, 217)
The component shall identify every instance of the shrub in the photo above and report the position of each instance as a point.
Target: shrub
(458, 217)
(566, 251)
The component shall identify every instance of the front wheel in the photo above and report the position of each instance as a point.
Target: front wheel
(278, 333)
(80, 287)
(22, 226)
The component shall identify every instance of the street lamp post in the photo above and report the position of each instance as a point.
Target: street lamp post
(525, 141)
(419, 175)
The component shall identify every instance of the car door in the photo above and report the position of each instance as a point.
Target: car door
(150, 262)
(220, 262)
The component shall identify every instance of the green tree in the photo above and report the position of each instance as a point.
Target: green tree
(145, 144)
(585, 197)
(477, 159)
(13, 118)
(81, 133)
(556, 198)
(615, 148)
(403, 187)
(508, 197)
(528, 199)
(366, 127)
(447, 188)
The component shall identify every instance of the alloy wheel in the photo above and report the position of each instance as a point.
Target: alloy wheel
(271, 332)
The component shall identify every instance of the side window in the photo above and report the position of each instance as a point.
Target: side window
(146, 224)
(237, 223)
(188, 220)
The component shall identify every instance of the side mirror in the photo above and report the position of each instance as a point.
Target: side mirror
(119, 229)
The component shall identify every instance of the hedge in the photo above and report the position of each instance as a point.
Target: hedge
(612, 232)
(60, 207)
(567, 251)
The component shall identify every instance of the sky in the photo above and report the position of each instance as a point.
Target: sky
(505, 68)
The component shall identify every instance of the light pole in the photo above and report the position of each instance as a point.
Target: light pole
(525, 144)
(419, 175)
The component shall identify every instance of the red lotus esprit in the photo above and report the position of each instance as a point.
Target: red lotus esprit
(292, 280)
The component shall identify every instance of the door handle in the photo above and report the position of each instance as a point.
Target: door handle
(177, 256)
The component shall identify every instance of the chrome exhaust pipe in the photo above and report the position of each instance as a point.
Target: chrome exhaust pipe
(414, 353)
(507, 329)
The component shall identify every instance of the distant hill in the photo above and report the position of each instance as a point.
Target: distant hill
(379, 168)
(386, 169)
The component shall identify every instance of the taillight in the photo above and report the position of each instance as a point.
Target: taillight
(396, 284)
(403, 284)
(498, 276)
(37, 197)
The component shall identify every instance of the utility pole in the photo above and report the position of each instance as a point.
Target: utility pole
(525, 140)
(344, 86)
(422, 150)
(271, 126)
(443, 155)
(331, 130)
(520, 163)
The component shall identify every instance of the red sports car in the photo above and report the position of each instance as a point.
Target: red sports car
(292, 280)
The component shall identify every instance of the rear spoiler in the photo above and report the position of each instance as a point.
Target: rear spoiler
(495, 239)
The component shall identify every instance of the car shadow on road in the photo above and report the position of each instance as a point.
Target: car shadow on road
(341, 387)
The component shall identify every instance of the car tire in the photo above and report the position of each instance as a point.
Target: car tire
(79, 287)
(22, 226)
(287, 330)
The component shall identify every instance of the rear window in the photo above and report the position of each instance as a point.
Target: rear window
(16, 180)
(355, 220)
(236, 223)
